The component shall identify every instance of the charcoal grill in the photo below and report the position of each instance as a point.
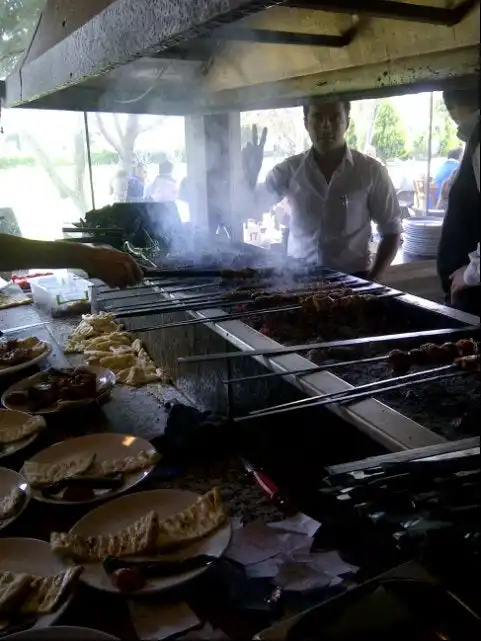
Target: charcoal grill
(204, 383)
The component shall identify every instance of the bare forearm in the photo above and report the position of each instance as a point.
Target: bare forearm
(256, 201)
(386, 252)
(24, 253)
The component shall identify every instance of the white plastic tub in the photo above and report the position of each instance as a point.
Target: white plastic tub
(60, 292)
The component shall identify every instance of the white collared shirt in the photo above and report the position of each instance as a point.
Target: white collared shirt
(331, 223)
(471, 273)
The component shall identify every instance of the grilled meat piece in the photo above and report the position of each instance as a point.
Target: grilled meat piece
(431, 354)
(469, 363)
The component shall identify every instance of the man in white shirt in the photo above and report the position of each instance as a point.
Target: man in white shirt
(334, 193)
(458, 254)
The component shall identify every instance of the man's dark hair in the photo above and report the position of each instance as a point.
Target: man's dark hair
(346, 104)
(455, 154)
(462, 97)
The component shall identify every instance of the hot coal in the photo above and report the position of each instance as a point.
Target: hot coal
(445, 407)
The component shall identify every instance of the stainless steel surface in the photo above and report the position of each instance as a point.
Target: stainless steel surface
(452, 447)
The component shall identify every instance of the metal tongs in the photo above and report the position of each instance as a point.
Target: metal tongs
(138, 253)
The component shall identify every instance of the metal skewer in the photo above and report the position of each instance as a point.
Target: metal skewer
(306, 347)
(224, 318)
(149, 284)
(305, 371)
(133, 312)
(237, 316)
(223, 300)
(224, 295)
(238, 274)
(358, 393)
(360, 388)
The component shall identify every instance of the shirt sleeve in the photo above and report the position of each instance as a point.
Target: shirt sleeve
(274, 189)
(383, 204)
(471, 274)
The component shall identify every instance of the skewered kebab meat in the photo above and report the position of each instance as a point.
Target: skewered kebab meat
(324, 315)
(431, 354)
(248, 291)
(469, 363)
(266, 299)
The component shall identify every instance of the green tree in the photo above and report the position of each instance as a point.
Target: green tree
(351, 136)
(18, 19)
(419, 147)
(388, 138)
(444, 129)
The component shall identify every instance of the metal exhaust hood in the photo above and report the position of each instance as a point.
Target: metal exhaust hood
(199, 56)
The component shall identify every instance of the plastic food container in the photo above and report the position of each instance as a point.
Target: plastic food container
(61, 294)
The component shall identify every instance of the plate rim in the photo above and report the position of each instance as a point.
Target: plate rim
(26, 441)
(106, 636)
(75, 404)
(37, 496)
(26, 499)
(18, 368)
(152, 589)
(54, 616)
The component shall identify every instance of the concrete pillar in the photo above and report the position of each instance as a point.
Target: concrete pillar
(213, 147)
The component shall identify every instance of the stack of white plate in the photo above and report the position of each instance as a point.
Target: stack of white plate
(421, 236)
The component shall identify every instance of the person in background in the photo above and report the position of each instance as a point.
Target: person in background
(115, 268)
(136, 182)
(118, 186)
(165, 219)
(447, 169)
(164, 189)
(442, 203)
(334, 193)
(165, 169)
(372, 153)
(458, 252)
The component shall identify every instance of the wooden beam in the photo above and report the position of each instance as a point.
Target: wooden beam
(392, 10)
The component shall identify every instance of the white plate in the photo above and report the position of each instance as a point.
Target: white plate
(61, 633)
(13, 418)
(16, 368)
(105, 382)
(33, 556)
(115, 515)
(106, 446)
(8, 481)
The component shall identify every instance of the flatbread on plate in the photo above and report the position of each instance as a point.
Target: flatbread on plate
(137, 538)
(9, 504)
(148, 534)
(14, 433)
(28, 594)
(125, 465)
(38, 474)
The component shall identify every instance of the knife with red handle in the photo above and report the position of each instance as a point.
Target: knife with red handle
(269, 488)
